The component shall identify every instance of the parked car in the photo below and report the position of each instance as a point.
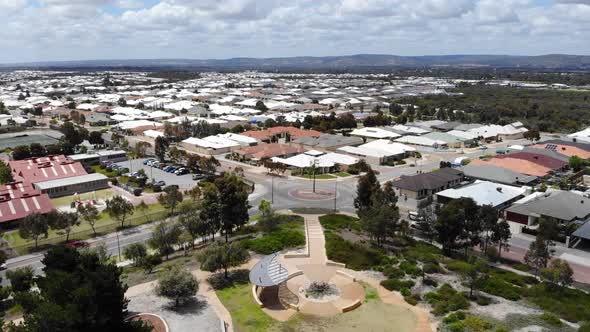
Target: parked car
(172, 169)
(198, 176)
(78, 244)
(181, 171)
(3, 266)
(415, 216)
(161, 166)
(160, 183)
(147, 161)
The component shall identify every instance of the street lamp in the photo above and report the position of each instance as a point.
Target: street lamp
(272, 189)
(335, 193)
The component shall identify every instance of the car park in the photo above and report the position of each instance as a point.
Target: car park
(198, 176)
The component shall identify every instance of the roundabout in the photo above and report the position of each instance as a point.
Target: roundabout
(308, 194)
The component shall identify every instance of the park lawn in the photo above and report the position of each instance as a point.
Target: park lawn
(318, 176)
(338, 222)
(342, 174)
(83, 231)
(102, 194)
(246, 314)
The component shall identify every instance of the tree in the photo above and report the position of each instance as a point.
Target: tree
(136, 252)
(119, 209)
(576, 163)
(33, 227)
(559, 273)
(122, 102)
(532, 135)
(72, 135)
(260, 106)
(95, 137)
(5, 173)
(151, 261)
(211, 208)
(368, 186)
(77, 292)
(89, 214)
(475, 274)
(223, 256)
(268, 221)
(449, 225)
(21, 152)
(501, 235)
(143, 208)
(177, 284)
(37, 150)
(208, 165)
(233, 203)
(64, 221)
(164, 237)
(194, 225)
(160, 148)
(141, 149)
(21, 279)
(171, 198)
(538, 254)
(381, 220)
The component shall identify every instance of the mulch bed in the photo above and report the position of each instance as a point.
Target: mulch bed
(156, 323)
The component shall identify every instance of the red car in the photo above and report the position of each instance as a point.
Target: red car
(78, 244)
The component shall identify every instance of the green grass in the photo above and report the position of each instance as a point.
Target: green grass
(342, 174)
(337, 222)
(318, 176)
(83, 231)
(102, 194)
(246, 314)
(570, 304)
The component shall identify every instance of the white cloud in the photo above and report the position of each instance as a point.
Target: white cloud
(90, 29)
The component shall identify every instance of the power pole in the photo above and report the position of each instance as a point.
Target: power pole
(272, 189)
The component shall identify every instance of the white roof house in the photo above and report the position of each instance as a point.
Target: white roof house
(339, 159)
(153, 133)
(419, 140)
(374, 133)
(463, 135)
(304, 161)
(583, 135)
(241, 139)
(211, 142)
(495, 130)
(485, 193)
(138, 123)
(410, 129)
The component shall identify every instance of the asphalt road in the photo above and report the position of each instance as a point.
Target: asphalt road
(278, 190)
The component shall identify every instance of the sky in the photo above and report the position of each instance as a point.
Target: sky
(53, 30)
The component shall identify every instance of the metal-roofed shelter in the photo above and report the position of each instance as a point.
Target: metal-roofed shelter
(268, 272)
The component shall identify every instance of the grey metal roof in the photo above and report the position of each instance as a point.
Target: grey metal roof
(563, 205)
(583, 231)
(327, 141)
(268, 272)
(547, 152)
(70, 181)
(496, 174)
(431, 180)
(25, 139)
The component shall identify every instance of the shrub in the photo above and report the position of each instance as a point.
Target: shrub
(454, 317)
(339, 222)
(276, 241)
(456, 327)
(412, 300)
(410, 268)
(423, 252)
(446, 299)
(569, 304)
(356, 256)
(405, 292)
(584, 328)
(430, 268)
(551, 319)
(459, 267)
(476, 324)
(483, 300)
(393, 272)
(430, 282)
(396, 284)
(497, 286)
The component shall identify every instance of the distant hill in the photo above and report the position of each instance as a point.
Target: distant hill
(550, 61)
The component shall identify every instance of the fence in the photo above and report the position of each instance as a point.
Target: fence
(134, 220)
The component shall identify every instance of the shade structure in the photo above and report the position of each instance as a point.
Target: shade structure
(268, 272)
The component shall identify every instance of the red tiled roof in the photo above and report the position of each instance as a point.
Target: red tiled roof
(536, 158)
(269, 150)
(267, 134)
(18, 200)
(35, 170)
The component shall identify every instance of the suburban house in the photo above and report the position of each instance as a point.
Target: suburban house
(415, 188)
(497, 195)
(259, 152)
(281, 134)
(565, 206)
(327, 142)
(497, 174)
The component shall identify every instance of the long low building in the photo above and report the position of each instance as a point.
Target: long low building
(18, 200)
(73, 185)
(89, 159)
(379, 151)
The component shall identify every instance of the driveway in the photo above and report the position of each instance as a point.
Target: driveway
(182, 181)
